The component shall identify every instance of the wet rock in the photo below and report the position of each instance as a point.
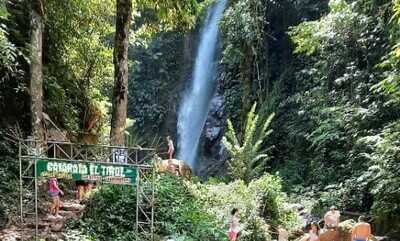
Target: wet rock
(216, 108)
(213, 133)
(213, 155)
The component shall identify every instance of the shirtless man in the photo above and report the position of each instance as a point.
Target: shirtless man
(332, 218)
(171, 148)
(361, 231)
(283, 234)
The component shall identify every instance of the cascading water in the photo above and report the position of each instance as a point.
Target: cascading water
(195, 104)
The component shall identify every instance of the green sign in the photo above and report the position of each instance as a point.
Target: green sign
(87, 171)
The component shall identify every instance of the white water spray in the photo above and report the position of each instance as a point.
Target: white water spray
(195, 104)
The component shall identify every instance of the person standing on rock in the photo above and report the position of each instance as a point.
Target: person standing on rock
(362, 230)
(171, 148)
(332, 218)
(54, 192)
(234, 226)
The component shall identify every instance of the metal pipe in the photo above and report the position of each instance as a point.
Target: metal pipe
(105, 146)
(143, 166)
(137, 203)
(36, 203)
(20, 185)
(152, 203)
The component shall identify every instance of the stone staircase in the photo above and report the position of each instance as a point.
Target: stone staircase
(49, 227)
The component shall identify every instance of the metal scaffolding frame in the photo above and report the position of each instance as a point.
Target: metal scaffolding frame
(31, 151)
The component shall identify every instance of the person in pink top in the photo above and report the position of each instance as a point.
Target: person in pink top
(54, 192)
(313, 234)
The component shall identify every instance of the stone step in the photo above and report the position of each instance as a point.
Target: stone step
(41, 225)
(75, 207)
(70, 214)
(48, 225)
(51, 218)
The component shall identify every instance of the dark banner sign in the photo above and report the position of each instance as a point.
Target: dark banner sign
(86, 171)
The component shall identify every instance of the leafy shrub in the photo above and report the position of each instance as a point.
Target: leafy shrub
(8, 179)
(111, 213)
(179, 212)
(247, 159)
(261, 203)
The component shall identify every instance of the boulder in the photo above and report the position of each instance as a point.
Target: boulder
(174, 166)
(345, 229)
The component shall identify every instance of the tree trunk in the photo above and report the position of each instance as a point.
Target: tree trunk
(247, 83)
(36, 84)
(120, 93)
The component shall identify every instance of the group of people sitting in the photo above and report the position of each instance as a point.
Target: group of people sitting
(360, 232)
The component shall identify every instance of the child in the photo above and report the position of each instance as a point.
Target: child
(234, 226)
(54, 192)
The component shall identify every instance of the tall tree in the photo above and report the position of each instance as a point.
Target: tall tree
(36, 72)
(171, 14)
(120, 93)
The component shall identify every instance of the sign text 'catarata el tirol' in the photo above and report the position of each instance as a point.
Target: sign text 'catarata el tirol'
(106, 173)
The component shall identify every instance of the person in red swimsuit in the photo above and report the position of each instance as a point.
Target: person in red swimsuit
(234, 226)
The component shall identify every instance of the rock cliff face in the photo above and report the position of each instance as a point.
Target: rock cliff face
(212, 154)
(212, 157)
(188, 50)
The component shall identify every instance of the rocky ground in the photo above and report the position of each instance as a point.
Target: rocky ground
(49, 227)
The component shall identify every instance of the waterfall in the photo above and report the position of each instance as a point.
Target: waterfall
(196, 100)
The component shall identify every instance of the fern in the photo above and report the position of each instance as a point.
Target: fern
(247, 158)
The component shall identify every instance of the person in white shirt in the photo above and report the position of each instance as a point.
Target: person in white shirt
(332, 218)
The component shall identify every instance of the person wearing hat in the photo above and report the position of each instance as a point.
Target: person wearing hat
(332, 218)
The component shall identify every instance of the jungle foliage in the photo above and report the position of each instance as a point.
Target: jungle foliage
(189, 211)
(329, 70)
(333, 84)
(247, 159)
